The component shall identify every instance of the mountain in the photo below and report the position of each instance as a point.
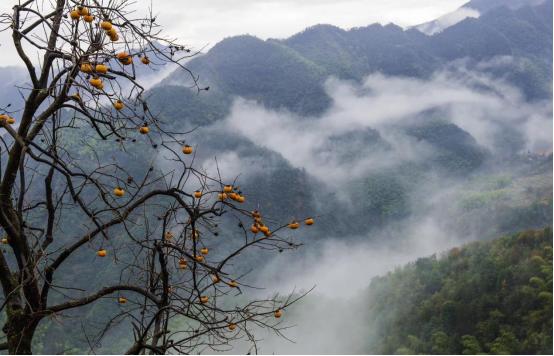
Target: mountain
(289, 73)
(487, 297)
(360, 51)
(458, 150)
(383, 182)
(290, 76)
(502, 31)
(472, 9)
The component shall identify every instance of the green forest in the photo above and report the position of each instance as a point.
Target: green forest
(484, 298)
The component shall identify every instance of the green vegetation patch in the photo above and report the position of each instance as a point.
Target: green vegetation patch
(487, 297)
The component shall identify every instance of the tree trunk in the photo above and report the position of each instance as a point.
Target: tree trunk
(19, 329)
(20, 344)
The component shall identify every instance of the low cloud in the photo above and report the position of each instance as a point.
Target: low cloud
(333, 318)
(474, 101)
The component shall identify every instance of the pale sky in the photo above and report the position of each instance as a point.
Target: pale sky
(200, 23)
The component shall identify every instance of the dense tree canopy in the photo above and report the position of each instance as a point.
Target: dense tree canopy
(488, 297)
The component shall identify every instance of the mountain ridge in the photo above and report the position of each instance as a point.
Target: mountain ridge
(290, 74)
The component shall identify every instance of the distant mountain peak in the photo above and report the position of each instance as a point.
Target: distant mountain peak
(324, 27)
(472, 9)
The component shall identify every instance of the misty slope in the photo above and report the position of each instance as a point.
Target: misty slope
(290, 76)
(493, 297)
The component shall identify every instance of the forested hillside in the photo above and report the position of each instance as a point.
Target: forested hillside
(487, 297)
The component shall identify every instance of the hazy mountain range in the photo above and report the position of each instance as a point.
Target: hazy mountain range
(520, 29)
(296, 67)
(401, 142)
(324, 74)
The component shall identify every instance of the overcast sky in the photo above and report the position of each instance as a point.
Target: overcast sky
(200, 23)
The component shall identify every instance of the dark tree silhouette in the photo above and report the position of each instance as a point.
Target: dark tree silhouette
(82, 59)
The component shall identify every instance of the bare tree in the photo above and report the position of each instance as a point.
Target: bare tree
(82, 59)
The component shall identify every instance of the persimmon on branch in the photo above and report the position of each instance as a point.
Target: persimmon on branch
(157, 228)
